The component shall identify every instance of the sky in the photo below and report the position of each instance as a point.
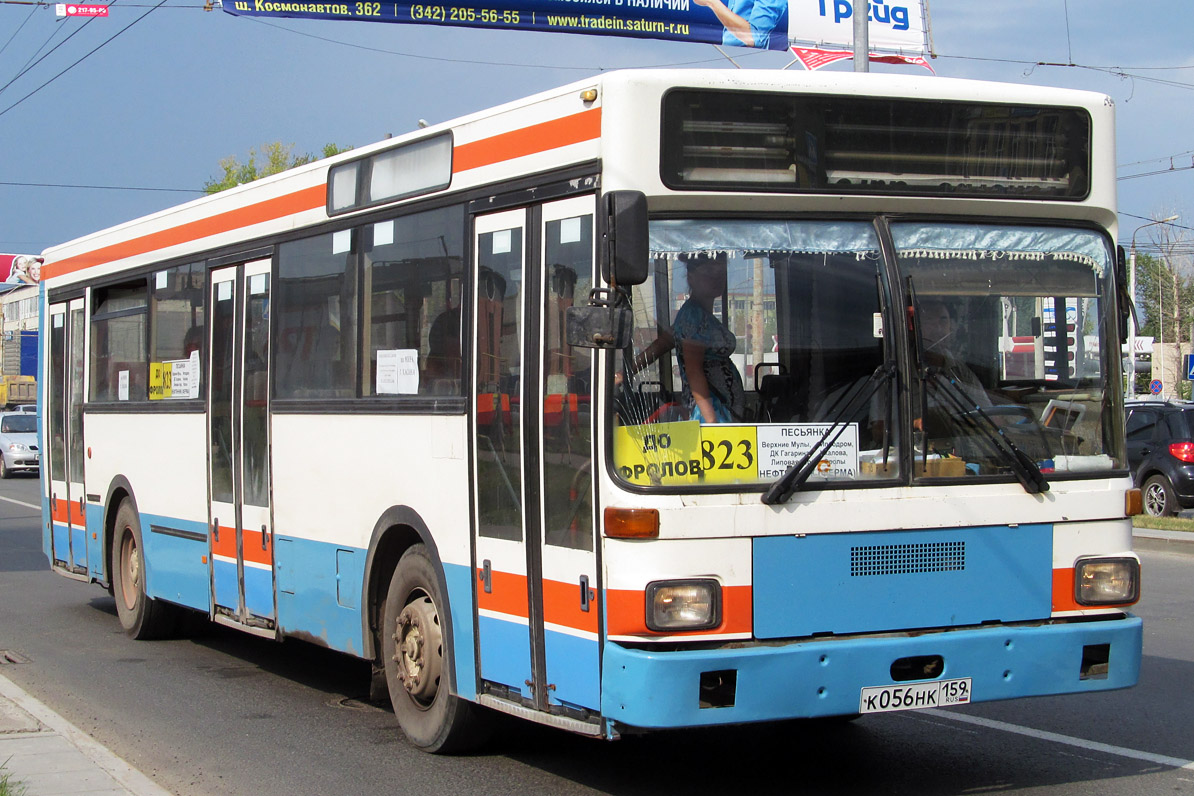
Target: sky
(142, 105)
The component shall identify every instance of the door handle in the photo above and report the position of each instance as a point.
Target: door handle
(215, 529)
(264, 538)
(586, 596)
(486, 576)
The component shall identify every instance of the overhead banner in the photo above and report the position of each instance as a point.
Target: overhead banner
(897, 26)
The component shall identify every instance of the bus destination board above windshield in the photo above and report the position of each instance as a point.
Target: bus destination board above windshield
(825, 144)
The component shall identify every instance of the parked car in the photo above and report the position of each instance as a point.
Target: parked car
(1160, 437)
(18, 444)
(30, 408)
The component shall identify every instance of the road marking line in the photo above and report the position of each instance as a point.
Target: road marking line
(1094, 746)
(20, 503)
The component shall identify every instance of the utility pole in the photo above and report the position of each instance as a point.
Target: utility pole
(862, 44)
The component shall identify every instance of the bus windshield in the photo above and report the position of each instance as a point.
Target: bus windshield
(758, 341)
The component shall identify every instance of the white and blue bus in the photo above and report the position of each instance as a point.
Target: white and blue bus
(663, 399)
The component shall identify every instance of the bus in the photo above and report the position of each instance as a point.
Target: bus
(661, 400)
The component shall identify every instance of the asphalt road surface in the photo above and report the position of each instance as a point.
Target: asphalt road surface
(225, 713)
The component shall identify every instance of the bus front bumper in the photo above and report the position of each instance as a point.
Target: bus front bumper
(807, 678)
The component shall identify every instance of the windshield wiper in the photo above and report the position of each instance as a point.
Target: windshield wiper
(798, 473)
(1025, 469)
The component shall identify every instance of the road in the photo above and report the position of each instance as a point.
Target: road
(224, 713)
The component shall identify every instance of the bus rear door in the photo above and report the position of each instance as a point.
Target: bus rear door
(242, 560)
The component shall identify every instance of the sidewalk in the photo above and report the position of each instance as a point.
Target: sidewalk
(1150, 539)
(48, 755)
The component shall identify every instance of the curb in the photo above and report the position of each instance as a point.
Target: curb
(1150, 539)
(129, 778)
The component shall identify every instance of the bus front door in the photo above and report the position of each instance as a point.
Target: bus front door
(536, 562)
(62, 434)
(242, 550)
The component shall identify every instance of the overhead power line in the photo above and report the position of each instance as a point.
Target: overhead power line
(91, 52)
(101, 187)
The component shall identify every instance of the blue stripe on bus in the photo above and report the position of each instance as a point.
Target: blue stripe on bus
(309, 585)
(572, 667)
(460, 597)
(226, 583)
(505, 653)
(61, 551)
(812, 678)
(175, 569)
(890, 580)
(259, 592)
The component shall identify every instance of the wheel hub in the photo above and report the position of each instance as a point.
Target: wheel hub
(419, 650)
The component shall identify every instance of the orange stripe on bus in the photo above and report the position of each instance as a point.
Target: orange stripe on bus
(1063, 590)
(583, 126)
(627, 613)
(300, 201)
(561, 606)
(252, 547)
(507, 596)
(224, 543)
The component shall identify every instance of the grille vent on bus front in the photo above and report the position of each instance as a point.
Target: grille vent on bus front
(904, 559)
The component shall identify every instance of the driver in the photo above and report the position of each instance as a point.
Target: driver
(937, 325)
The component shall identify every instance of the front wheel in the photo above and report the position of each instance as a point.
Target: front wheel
(4, 471)
(141, 616)
(417, 662)
(1159, 499)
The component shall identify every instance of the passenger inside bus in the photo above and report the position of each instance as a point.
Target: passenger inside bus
(712, 385)
(442, 366)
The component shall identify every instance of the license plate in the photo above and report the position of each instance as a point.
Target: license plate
(886, 698)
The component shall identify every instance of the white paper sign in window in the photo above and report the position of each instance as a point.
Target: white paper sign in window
(398, 371)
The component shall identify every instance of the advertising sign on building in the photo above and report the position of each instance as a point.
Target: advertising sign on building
(20, 269)
(898, 28)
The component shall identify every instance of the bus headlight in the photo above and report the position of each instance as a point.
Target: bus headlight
(1107, 581)
(683, 604)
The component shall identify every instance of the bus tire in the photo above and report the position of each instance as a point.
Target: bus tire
(141, 616)
(417, 662)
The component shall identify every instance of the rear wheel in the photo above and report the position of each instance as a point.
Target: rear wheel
(1159, 499)
(417, 662)
(140, 616)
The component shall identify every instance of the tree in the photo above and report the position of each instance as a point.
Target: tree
(274, 157)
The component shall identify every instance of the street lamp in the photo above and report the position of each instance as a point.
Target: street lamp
(1131, 387)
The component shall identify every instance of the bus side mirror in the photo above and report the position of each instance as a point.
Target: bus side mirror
(1127, 302)
(624, 238)
(605, 322)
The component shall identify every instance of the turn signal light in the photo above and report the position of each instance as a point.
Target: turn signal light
(621, 523)
(1133, 503)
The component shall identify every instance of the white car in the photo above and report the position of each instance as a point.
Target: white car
(18, 444)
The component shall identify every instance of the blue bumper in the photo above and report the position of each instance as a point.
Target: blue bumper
(824, 677)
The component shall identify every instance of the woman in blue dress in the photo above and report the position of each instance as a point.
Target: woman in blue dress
(712, 384)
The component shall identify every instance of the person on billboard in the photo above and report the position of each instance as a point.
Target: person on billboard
(752, 23)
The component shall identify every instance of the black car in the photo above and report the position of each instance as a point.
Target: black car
(1160, 436)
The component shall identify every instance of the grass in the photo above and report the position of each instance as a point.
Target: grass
(1163, 523)
(9, 786)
